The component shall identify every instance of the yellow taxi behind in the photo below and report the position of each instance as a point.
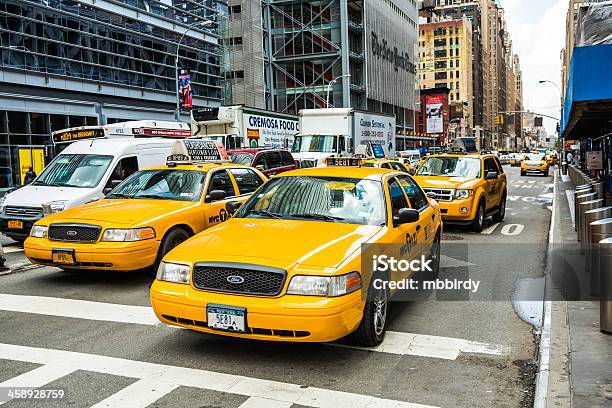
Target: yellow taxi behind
(387, 164)
(288, 265)
(535, 163)
(468, 187)
(143, 218)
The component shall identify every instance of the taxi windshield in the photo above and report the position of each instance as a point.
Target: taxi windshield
(534, 157)
(467, 167)
(328, 199)
(74, 170)
(242, 158)
(179, 185)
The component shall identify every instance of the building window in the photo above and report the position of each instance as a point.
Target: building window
(457, 75)
(451, 74)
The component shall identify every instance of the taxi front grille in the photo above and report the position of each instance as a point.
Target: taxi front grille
(74, 232)
(29, 212)
(442, 194)
(238, 278)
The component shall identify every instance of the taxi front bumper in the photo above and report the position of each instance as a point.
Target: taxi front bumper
(534, 169)
(114, 256)
(459, 211)
(286, 318)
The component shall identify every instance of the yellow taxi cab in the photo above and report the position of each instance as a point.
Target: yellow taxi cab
(535, 163)
(289, 266)
(516, 159)
(387, 164)
(143, 218)
(468, 187)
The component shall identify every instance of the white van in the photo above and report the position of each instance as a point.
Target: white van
(83, 172)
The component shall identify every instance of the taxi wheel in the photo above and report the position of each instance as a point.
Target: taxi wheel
(371, 330)
(172, 239)
(478, 222)
(435, 258)
(501, 214)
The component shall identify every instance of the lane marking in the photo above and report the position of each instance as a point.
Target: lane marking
(256, 402)
(489, 231)
(401, 343)
(39, 377)
(140, 394)
(511, 230)
(190, 377)
(449, 262)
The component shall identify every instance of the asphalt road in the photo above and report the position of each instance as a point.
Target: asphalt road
(94, 336)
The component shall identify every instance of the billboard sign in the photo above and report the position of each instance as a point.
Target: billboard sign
(273, 131)
(434, 110)
(185, 91)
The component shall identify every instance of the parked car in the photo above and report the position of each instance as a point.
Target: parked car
(270, 161)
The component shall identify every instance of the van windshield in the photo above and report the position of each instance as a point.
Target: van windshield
(314, 143)
(74, 170)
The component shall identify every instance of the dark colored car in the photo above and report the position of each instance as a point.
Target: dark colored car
(268, 161)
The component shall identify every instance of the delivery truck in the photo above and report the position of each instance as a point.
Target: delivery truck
(239, 127)
(338, 131)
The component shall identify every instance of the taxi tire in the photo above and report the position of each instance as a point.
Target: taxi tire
(501, 213)
(172, 239)
(366, 335)
(523, 173)
(478, 221)
(435, 257)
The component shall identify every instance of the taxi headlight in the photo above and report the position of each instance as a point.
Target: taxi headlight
(462, 194)
(128, 235)
(324, 285)
(39, 231)
(171, 272)
(53, 207)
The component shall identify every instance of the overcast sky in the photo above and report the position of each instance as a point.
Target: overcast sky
(537, 30)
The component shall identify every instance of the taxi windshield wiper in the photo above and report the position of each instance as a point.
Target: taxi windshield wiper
(118, 195)
(265, 213)
(152, 196)
(321, 217)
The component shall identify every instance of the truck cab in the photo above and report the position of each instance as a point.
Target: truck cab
(312, 150)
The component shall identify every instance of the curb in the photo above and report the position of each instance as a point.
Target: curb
(541, 388)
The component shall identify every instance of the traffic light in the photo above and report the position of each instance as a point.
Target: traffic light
(499, 120)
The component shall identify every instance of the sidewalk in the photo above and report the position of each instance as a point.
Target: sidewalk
(580, 365)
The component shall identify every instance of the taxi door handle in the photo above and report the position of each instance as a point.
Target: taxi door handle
(433, 216)
(418, 227)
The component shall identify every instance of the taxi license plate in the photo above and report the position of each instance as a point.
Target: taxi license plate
(63, 257)
(228, 318)
(15, 224)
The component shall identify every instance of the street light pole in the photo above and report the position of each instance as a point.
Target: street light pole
(330, 84)
(177, 113)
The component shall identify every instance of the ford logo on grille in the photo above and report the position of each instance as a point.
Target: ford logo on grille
(71, 233)
(235, 279)
(21, 211)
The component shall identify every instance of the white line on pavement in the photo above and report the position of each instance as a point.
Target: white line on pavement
(571, 203)
(189, 377)
(9, 249)
(489, 231)
(38, 377)
(140, 394)
(256, 402)
(401, 343)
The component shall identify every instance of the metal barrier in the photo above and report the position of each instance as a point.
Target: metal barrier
(600, 230)
(582, 232)
(605, 299)
(599, 188)
(581, 199)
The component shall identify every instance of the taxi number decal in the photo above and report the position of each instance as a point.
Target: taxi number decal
(428, 229)
(411, 240)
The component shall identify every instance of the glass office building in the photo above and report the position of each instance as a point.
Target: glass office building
(66, 63)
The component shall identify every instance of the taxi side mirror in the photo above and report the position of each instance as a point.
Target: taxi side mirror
(215, 195)
(406, 216)
(233, 206)
(492, 175)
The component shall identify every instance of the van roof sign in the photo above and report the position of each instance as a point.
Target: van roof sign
(73, 135)
(195, 150)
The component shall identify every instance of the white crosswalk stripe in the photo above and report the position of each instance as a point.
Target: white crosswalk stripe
(168, 377)
(12, 248)
(39, 376)
(400, 343)
(256, 402)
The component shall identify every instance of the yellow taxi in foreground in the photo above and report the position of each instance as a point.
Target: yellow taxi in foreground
(469, 187)
(387, 164)
(288, 265)
(535, 163)
(143, 218)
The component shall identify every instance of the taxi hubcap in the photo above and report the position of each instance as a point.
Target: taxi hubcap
(380, 311)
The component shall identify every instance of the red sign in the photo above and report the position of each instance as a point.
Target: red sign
(175, 133)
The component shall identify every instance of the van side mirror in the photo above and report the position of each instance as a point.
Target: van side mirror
(215, 195)
(233, 206)
(406, 216)
(492, 175)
